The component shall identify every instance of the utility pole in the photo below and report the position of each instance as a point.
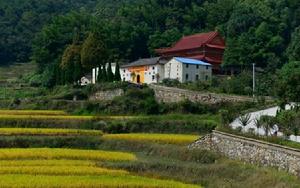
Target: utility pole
(253, 80)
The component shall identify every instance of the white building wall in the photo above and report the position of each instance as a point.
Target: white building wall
(173, 70)
(150, 75)
(154, 74)
(187, 72)
(125, 75)
(193, 73)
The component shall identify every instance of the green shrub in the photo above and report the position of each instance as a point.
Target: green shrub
(154, 125)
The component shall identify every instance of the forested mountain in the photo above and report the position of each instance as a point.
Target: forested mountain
(20, 20)
(265, 32)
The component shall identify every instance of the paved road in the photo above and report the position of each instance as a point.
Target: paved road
(254, 115)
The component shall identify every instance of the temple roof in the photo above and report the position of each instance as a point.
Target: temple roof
(191, 42)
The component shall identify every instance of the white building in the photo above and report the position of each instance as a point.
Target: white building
(154, 70)
(95, 71)
(188, 70)
(144, 71)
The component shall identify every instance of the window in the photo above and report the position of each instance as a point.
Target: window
(197, 77)
(187, 65)
(206, 77)
(153, 68)
(187, 77)
(197, 66)
(124, 80)
(153, 78)
(206, 67)
(124, 70)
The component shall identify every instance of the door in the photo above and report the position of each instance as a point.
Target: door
(138, 79)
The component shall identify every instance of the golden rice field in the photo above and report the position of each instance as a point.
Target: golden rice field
(43, 117)
(48, 132)
(32, 112)
(125, 181)
(177, 139)
(61, 170)
(36, 173)
(73, 154)
(53, 114)
(43, 163)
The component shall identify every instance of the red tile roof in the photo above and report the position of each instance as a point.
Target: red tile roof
(190, 42)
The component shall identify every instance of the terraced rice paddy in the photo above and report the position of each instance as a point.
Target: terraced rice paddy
(33, 112)
(48, 132)
(96, 160)
(37, 168)
(43, 117)
(177, 139)
(125, 181)
(46, 153)
(61, 170)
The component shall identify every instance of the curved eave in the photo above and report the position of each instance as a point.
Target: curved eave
(216, 46)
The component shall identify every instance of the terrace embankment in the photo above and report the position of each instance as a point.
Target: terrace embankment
(171, 95)
(252, 151)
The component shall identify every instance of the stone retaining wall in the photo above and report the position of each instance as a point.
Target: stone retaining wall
(173, 95)
(106, 95)
(252, 151)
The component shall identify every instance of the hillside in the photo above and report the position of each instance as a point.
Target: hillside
(12, 73)
(264, 27)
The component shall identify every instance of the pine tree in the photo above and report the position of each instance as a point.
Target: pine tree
(77, 74)
(110, 75)
(117, 73)
(100, 75)
(104, 74)
(69, 71)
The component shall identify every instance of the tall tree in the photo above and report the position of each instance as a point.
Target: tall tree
(117, 73)
(100, 75)
(110, 74)
(104, 74)
(294, 47)
(71, 61)
(288, 84)
(93, 51)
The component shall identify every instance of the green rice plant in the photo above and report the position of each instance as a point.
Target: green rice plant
(178, 139)
(48, 132)
(125, 181)
(46, 153)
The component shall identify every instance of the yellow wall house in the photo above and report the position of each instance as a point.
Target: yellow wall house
(144, 71)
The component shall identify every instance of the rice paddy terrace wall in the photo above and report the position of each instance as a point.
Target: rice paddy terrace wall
(252, 151)
(106, 95)
(171, 95)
